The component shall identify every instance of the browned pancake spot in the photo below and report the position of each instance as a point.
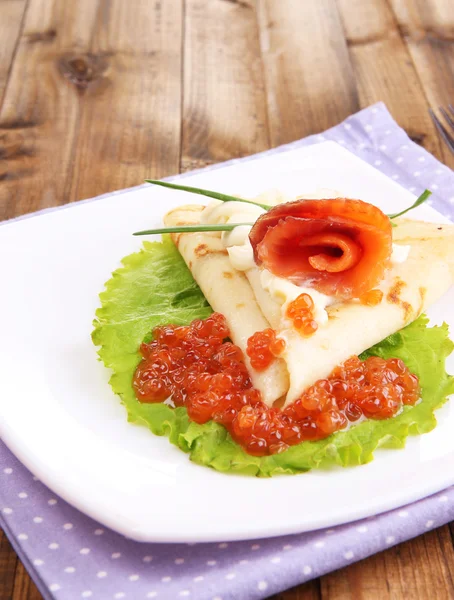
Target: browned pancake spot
(408, 310)
(241, 305)
(228, 275)
(201, 250)
(393, 297)
(394, 293)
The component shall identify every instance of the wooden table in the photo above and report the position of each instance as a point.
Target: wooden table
(96, 95)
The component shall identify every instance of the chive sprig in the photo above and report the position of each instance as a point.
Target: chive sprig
(226, 198)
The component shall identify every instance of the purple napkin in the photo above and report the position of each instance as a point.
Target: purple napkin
(70, 556)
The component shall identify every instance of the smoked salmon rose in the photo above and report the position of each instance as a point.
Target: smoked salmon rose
(340, 247)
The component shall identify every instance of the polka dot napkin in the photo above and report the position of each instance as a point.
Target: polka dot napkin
(70, 556)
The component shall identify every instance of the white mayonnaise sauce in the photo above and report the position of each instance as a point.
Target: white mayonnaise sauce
(236, 241)
(400, 253)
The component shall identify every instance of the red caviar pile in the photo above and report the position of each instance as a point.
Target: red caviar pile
(301, 312)
(199, 369)
(263, 347)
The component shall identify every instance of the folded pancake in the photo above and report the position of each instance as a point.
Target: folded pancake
(409, 288)
(268, 305)
(228, 292)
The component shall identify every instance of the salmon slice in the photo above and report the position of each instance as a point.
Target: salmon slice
(341, 247)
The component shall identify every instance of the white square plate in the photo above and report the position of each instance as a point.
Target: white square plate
(60, 417)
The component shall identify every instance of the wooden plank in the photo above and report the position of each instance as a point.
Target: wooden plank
(306, 591)
(40, 112)
(224, 112)
(12, 13)
(130, 124)
(420, 568)
(384, 69)
(446, 542)
(24, 588)
(8, 562)
(310, 82)
(428, 29)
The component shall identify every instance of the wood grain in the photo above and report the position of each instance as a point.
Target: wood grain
(383, 67)
(306, 591)
(129, 128)
(309, 78)
(427, 27)
(224, 114)
(24, 588)
(8, 565)
(41, 107)
(421, 568)
(12, 13)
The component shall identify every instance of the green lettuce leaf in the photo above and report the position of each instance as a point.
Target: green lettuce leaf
(155, 287)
